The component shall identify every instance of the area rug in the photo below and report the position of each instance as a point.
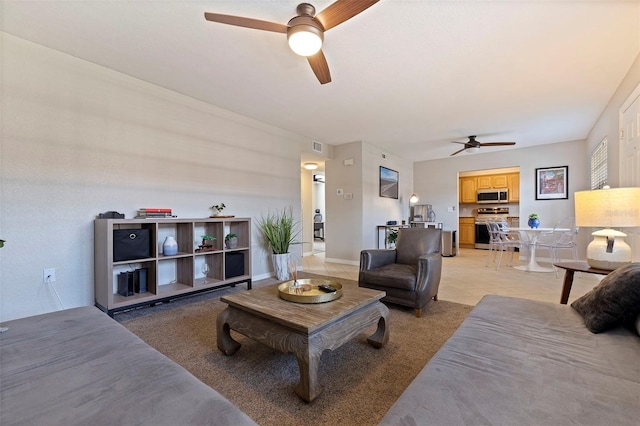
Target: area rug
(360, 383)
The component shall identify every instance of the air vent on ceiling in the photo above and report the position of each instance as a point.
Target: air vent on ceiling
(317, 146)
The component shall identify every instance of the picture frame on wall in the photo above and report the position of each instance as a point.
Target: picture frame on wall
(388, 182)
(552, 183)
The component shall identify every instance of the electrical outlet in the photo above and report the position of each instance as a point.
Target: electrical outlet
(49, 276)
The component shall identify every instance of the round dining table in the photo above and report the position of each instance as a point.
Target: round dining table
(530, 237)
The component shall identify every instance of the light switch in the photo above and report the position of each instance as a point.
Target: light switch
(348, 196)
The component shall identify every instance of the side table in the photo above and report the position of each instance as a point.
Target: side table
(570, 269)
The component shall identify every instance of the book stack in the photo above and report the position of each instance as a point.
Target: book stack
(148, 213)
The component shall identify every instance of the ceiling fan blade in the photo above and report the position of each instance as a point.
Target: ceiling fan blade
(458, 151)
(341, 10)
(239, 21)
(496, 143)
(320, 67)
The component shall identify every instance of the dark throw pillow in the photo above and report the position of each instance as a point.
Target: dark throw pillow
(613, 302)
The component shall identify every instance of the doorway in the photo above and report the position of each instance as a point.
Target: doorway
(319, 212)
(313, 205)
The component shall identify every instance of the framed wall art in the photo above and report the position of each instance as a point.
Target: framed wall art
(552, 183)
(388, 183)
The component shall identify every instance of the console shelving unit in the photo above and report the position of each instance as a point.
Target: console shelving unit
(169, 277)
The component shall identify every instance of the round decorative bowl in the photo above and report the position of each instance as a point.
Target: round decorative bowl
(307, 291)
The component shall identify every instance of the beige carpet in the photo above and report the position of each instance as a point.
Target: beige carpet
(360, 382)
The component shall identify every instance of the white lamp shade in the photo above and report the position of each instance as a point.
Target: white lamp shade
(608, 208)
(413, 199)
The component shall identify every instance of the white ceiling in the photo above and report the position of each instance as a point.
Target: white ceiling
(408, 75)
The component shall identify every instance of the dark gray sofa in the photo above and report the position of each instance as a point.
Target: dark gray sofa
(512, 362)
(80, 367)
(523, 362)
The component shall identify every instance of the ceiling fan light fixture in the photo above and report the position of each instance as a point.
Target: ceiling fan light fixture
(304, 36)
(473, 149)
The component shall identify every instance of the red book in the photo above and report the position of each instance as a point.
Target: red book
(155, 210)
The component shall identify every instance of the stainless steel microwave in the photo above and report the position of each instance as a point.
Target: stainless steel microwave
(492, 196)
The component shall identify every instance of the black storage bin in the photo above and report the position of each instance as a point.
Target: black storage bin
(129, 244)
(234, 265)
(140, 280)
(125, 283)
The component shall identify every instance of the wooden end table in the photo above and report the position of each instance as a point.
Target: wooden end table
(306, 330)
(570, 269)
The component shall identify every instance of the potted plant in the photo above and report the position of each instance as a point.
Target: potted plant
(217, 209)
(280, 231)
(231, 240)
(392, 237)
(534, 220)
(207, 241)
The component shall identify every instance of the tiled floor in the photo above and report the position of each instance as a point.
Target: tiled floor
(465, 278)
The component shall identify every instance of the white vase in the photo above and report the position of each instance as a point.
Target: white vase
(281, 265)
(170, 247)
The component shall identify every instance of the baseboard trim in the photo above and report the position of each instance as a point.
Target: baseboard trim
(342, 261)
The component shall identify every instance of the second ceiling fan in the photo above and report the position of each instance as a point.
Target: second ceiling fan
(305, 32)
(473, 145)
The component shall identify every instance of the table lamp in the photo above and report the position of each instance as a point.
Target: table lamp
(412, 200)
(608, 208)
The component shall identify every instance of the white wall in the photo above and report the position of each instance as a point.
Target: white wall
(79, 139)
(351, 224)
(608, 125)
(436, 181)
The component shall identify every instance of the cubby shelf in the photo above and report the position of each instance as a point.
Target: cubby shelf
(169, 277)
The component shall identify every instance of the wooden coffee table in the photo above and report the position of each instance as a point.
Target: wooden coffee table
(305, 330)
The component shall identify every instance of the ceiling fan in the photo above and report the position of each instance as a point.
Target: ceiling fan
(473, 145)
(305, 32)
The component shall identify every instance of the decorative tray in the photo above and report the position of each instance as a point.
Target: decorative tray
(307, 291)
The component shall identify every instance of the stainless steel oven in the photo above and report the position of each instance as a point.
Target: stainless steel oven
(482, 216)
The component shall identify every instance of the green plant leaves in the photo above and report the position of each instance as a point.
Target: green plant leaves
(279, 230)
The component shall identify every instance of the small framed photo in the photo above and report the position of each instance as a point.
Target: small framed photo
(388, 183)
(552, 183)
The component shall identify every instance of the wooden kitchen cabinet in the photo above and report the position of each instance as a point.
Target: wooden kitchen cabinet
(491, 181)
(467, 231)
(513, 184)
(468, 189)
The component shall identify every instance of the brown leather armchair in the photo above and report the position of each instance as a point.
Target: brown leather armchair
(410, 273)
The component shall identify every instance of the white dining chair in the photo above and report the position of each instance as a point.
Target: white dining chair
(563, 237)
(500, 240)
